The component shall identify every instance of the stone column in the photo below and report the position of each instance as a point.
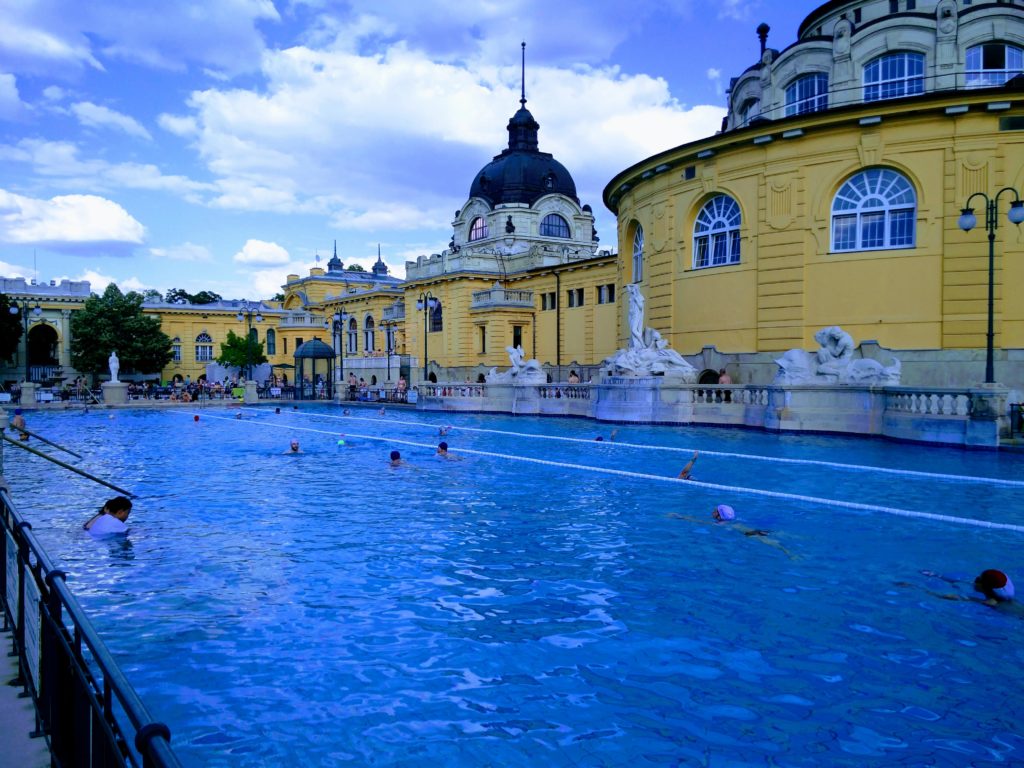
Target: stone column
(114, 392)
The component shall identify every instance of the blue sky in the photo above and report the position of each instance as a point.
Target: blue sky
(222, 144)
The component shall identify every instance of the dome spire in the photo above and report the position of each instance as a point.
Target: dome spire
(335, 265)
(522, 92)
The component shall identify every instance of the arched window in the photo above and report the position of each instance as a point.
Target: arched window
(254, 335)
(436, 318)
(993, 64)
(554, 225)
(874, 209)
(750, 109)
(368, 345)
(638, 254)
(353, 332)
(807, 94)
(176, 349)
(716, 233)
(478, 229)
(271, 342)
(204, 348)
(894, 75)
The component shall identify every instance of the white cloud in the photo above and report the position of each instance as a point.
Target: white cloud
(97, 116)
(59, 38)
(53, 93)
(14, 270)
(183, 252)
(11, 106)
(179, 126)
(68, 222)
(262, 253)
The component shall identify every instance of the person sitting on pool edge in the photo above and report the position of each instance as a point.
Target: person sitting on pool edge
(111, 517)
(685, 474)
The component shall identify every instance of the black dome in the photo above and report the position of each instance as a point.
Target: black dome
(521, 173)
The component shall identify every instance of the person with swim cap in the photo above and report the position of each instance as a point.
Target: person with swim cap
(995, 586)
(111, 517)
(723, 513)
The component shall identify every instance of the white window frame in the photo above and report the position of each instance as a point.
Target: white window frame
(638, 254)
(368, 331)
(716, 233)
(808, 93)
(884, 85)
(977, 76)
(204, 348)
(475, 232)
(873, 211)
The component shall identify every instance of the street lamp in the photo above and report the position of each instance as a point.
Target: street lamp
(24, 308)
(337, 326)
(967, 222)
(425, 303)
(247, 313)
(389, 340)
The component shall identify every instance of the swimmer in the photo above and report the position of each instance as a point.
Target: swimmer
(238, 415)
(111, 517)
(277, 410)
(382, 412)
(396, 459)
(346, 412)
(598, 439)
(723, 513)
(293, 447)
(685, 474)
(442, 451)
(443, 431)
(611, 437)
(995, 586)
(18, 423)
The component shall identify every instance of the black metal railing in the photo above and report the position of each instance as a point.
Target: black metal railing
(85, 706)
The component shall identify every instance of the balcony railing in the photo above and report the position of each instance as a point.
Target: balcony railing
(303, 320)
(502, 297)
(394, 312)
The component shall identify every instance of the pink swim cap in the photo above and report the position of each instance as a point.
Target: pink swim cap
(725, 512)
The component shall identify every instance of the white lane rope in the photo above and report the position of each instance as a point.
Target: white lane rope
(724, 454)
(659, 478)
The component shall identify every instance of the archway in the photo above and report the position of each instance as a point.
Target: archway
(708, 376)
(42, 352)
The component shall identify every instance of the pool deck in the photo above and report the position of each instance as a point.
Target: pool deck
(17, 718)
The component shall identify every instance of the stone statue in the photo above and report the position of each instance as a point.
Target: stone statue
(115, 366)
(636, 316)
(522, 371)
(652, 357)
(836, 350)
(834, 363)
(795, 367)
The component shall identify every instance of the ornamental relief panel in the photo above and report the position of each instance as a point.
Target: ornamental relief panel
(659, 232)
(780, 202)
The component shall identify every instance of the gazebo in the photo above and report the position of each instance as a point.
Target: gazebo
(314, 387)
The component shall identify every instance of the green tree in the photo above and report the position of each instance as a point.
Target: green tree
(177, 296)
(10, 328)
(237, 353)
(279, 296)
(114, 321)
(152, 293)
(206, 297)
(354, 268)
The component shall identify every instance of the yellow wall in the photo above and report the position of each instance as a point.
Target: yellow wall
(789, 284)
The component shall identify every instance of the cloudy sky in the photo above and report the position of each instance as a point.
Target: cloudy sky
(221, 144)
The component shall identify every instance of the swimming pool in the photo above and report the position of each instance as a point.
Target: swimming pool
(535, 602)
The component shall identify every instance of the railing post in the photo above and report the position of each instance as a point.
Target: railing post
(52, 691)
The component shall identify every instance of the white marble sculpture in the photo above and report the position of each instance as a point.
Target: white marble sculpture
(648, 353)
(636, 316)
(834, 363)
(115, 366)
(522, 371)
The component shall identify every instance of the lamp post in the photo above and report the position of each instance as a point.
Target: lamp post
(247, 313)
(967, 222)
(425, 302)
(389, 346)
(337, 326)
(24, 308)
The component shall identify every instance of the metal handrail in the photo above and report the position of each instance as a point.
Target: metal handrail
(75, 702)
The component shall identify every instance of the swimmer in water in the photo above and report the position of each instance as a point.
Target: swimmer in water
(723, 513)
(995, 586)
(396, 459)
(111, 518)
(442, 451)
(293, 447)
(685, 473)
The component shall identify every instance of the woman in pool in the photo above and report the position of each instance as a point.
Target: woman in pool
(111, 517)
(723, 513)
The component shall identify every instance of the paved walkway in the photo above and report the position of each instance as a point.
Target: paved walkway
(17, 718)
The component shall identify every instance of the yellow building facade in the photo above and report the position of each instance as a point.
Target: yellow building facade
(833, 195)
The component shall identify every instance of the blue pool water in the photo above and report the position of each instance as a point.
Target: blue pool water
(537, 603)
